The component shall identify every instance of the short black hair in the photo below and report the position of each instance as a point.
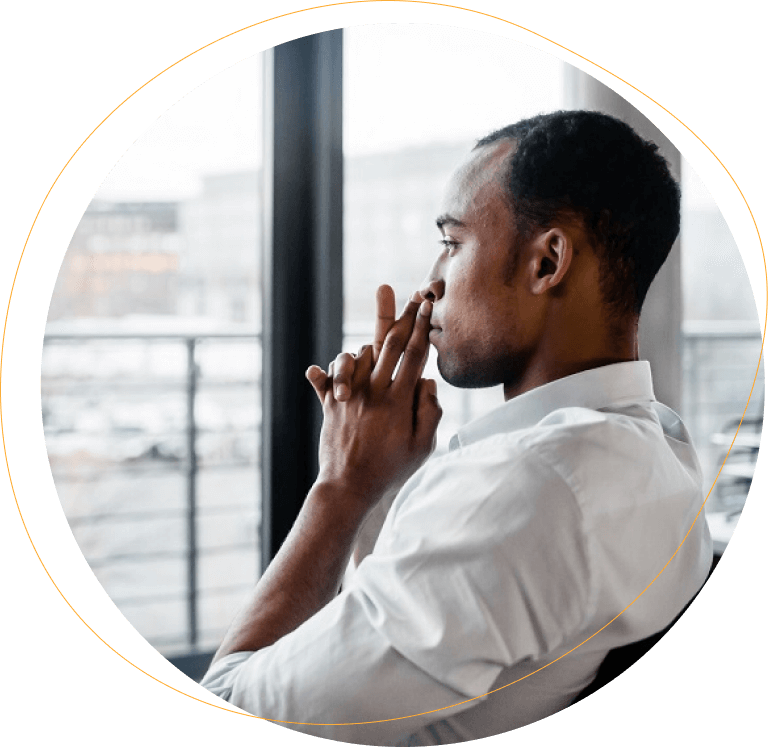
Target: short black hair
(599, 169)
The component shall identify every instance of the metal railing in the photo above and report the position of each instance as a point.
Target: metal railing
(719, 361)
(189, 461)
(704, 368)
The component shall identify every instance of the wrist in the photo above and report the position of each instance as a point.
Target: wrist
(346, 499)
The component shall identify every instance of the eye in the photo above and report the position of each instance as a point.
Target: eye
(448, 244)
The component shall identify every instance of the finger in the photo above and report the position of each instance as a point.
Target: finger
(393, 346)
(363, 367)
(428, 412)
(385, 318)
(416, 350)
(343, 370)
(319, 381)
(426, 357)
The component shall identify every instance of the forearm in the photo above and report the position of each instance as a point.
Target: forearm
(306, 573)
(369, 532)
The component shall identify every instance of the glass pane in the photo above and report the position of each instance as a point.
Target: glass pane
(152, 346)
(721, 347)
(417, 97)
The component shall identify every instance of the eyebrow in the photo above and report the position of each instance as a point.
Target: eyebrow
(446, 220)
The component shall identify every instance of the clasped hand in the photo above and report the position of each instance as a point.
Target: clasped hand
(379, 426)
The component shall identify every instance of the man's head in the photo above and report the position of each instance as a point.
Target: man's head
(553, 229)
(599, 169)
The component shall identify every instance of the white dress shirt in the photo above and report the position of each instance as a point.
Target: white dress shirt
(546, 518)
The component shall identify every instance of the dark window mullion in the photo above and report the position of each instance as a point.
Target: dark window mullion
(302, 318)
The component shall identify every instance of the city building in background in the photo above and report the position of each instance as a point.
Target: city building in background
(123, 259)
(220, 270)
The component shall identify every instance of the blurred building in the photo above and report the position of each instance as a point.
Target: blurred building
(201, 257)
(197, 258)
(220, 270)
(123, 259)
(715, 281)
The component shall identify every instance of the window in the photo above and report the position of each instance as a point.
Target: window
(722, 340)
(151, 369)
(172, 337)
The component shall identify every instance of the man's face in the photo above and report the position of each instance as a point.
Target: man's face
(484, 327)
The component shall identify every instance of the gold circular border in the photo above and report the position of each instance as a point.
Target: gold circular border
(245, 28)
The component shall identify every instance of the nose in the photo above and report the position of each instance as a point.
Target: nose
(433, 286)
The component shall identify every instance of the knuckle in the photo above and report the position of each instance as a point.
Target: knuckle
(414, 350)
(411, 359)
(344, 362)
(394, 342)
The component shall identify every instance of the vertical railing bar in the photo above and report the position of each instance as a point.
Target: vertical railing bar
(191, 493)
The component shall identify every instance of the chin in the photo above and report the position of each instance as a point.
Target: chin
(466, 376)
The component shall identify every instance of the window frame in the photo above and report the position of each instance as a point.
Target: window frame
(302, 265)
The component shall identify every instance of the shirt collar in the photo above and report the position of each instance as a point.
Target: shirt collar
(603, 387)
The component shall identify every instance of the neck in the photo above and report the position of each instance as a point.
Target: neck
(578, 349)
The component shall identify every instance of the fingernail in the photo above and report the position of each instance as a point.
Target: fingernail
(341, 391)
(416, 296)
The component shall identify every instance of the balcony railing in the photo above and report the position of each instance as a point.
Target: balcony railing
(133, 421)
(154, 443)
(719, 362)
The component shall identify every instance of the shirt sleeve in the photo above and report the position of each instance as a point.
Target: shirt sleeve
(480, 564)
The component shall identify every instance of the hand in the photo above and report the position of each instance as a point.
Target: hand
(381, 429)
(341, 370)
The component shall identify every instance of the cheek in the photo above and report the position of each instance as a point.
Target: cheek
(463, 286)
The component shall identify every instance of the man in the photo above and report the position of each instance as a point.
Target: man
(506, 569)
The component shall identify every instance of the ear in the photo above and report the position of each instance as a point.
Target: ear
(550, 260)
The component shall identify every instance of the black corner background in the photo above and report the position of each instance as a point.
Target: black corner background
(65, 75)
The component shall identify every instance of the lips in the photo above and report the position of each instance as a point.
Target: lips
(435, 327)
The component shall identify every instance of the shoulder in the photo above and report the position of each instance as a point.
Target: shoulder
(492, 489)
(618, 460)
(552, 480)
